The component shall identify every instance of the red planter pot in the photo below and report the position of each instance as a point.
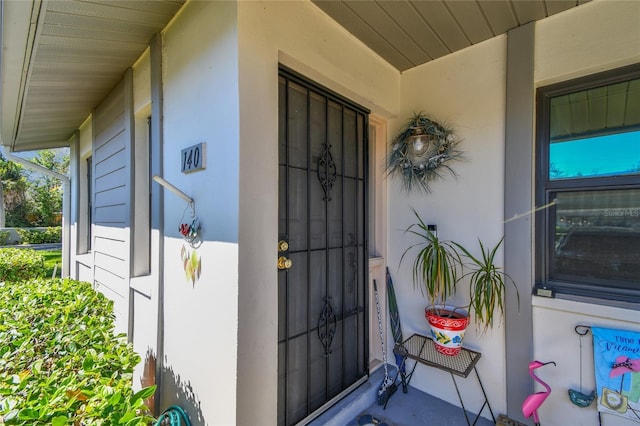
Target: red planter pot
(448, 326)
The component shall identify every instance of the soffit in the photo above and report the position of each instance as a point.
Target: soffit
(76, 53)
(410, 33)
(77, 50)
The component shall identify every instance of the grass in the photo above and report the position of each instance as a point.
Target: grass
(51, 259)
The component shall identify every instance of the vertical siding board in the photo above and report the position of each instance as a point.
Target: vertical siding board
(113, 206)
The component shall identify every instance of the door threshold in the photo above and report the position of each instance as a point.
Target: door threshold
(353, 403)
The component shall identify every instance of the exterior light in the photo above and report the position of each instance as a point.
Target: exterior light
(418, 144)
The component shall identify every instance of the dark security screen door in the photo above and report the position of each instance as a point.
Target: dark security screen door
(322, 343)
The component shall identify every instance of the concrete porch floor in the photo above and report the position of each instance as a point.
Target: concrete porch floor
(411, 409)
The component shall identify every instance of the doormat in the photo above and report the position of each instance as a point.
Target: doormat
(506, 421)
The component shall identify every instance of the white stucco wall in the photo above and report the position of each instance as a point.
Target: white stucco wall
(466, 91)
(300, 36)
(597, 36)
(200, 72)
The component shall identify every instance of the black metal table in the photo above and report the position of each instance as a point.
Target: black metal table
(422, 350)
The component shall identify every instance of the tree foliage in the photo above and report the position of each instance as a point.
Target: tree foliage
(14, 191)
(32, 198)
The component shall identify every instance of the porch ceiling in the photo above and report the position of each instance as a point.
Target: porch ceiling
(60, 58)
(408, 33)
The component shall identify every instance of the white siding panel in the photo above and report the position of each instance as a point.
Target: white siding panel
(112, 131)
(114, 248)
(107, 150)
(112, 180)
(83, 272)
(110, 112)
(112, 163)
(110, 108)
(120, 304)
(111, 281)
(112, 147)
(111, 214)
(114, 265)
(111, 233)
(107, 290)
(110, 197)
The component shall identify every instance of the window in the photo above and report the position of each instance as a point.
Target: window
(588, 177)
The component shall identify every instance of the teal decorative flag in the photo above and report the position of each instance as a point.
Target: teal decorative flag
(616, 357)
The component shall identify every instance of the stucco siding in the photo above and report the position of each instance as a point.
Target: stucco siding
(466, 91)
(200, 90)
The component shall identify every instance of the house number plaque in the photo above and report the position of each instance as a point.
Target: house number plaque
(193, 158)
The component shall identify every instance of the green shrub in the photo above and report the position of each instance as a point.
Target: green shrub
(4, 237)
(20, 264)
(52, 234)
(60, 362)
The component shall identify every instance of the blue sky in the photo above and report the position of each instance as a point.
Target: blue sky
(603, 155)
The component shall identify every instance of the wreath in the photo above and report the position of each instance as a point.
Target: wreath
(421, 151)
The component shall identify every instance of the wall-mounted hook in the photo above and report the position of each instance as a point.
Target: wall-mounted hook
(173, 189)
(190, 230)
(582, 330)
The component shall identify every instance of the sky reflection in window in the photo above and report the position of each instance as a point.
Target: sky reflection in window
(610, 155)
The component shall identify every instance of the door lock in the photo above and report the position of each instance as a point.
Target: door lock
(283, 246)
(284, 263)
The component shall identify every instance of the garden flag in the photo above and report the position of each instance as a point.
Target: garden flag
(616, 357)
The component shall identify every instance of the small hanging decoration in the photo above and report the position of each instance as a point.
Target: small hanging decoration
(192, 264)
(190, 229)
(420, 150)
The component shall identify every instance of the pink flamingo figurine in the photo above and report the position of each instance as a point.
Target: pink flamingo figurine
(534, 401)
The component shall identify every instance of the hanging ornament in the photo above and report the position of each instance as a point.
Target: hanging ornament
(192, 264)
(190, 228)
(577, 396)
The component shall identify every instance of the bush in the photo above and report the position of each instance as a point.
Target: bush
(52, 234)
(4, 237)
(60, 362)
(20, 264)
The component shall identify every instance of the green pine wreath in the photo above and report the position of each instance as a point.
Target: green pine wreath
(420, 162)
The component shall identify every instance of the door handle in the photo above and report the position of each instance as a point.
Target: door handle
(284, 262)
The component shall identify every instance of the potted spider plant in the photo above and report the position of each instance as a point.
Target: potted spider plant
(487, 285)
(438, 268)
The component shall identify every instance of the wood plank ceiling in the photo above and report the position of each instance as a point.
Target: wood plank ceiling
(81, 48)
(410, 33)
(81, 51)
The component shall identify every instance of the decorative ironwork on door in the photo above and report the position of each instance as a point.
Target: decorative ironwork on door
(322, 339)
(327, 171)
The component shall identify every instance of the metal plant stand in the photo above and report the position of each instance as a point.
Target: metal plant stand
(421, 350)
